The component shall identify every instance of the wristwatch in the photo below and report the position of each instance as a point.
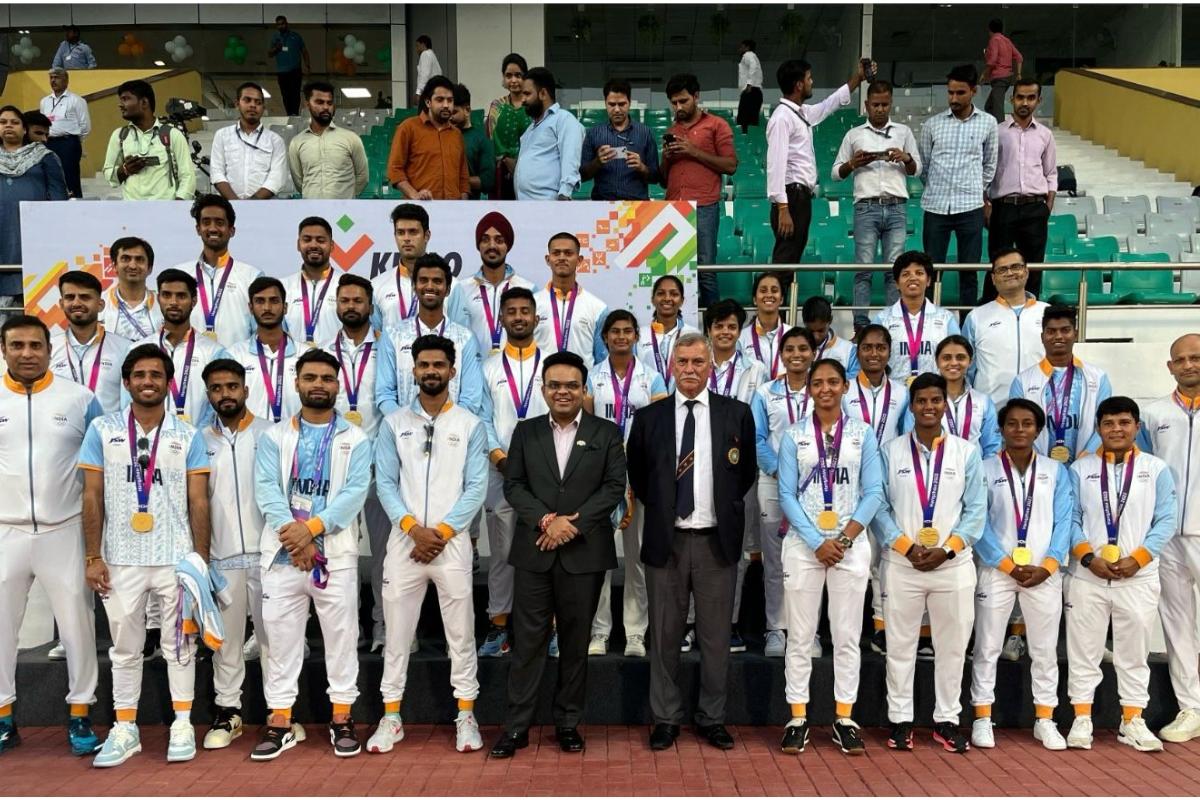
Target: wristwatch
(950, 553)
(1086, 561)
(845, 541)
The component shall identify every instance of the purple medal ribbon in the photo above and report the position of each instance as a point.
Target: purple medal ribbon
(521, 399)
(1022, 511)
(914, 342)
(94, 378)
(210, 314)
(662, 363)
(179, 391)
(787, 392)
(951, 417)
(124, 311)
(827, 464)
(312, 316)
(352, 391)
(405, 310)
(1060, 410)
(928, 496)
(621, 393)
(881, 422)
(758, 350)
(712, 376)
(562, 327)
(320, 573)
(1112, 520)
(493, 323)
(274, 394)
(143, 477)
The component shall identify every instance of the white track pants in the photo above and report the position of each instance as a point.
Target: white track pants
(55, 559)
(404, 584)
(1178, 574)
(501, 523)
(995, 596)
(634, 614)
(947, 594)
(769, 516)
(229, 664)
(1132, 607)
(803, 579)
(286, 592)
(132, 588)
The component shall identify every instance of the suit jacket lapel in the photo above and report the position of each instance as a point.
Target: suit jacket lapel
(585, 431)
(545, 438)
(716, 432)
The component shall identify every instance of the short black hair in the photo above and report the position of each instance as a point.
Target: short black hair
(350, 279)
(1006, 251)
(673, 278)
(795, 332)
(210, 201)
(223, 365)
(955, 338)
(832, 363)
(318, 86)
(617, 86)
(964, 73)
(762, 276)
(1118, 404)
(72, 28)
(280, 17)
(615, 316)
(874, 327)
(425, 40)
(431, 341)
(143, 351)
(683, 82)
(173, 275)
(462, 95)
(749, 44)
(790, 73)
(565, 358)
(514, 58)
(995, 25)
(128, 243)
(724, 309)
(319, 222)
(35, 117)
(879, 86)
(410, 211)
(542, 79)
(517, 293)
(1039, 416)
(816, 309)
(264, 282)
(23, 321)
(139, 89)
(435, 261)
(565, 235)
(1028, 82)
(1059, 311)
(910, 257)
(436, 82)
(927, 380)
(316, 354)
(78, 277)
(248, 85)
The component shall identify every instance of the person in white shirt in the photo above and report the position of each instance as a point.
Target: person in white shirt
(1021, 554)
(817, 315)
(791, 160)
(85, 352)
(665, 326)
(750, 81)
(970, 414)
(475, 303)
(762, 338)
(1007, 332)
(312, 309)
(130, 309)
(394, 298)
(830, 488)
(569, 318)
(934, 514)
(1126, 515)
(881, 155)
(249, 161)
(427, 65)
(270, 355)
(1170, 432)
(70, 124)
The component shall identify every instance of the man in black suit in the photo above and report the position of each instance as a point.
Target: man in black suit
(691, 462)
(564, 477)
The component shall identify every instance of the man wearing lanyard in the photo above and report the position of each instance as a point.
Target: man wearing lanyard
(817, 316)
(70, 124)
(395, 300)
(1125, 518)
(249, 161)
(72, 53)
(145, 509)
(85, 352)
(431, 486)
(568, 317)
(512, 391)
(269, 356)
(620, 155)
(936, 504)
(45, 419)
(312, 314)
(224, 310)
(761, 339)
(1024, 547)
(665, 326)
(311, 475)
(394, 387)
(1170, 429)
(130, 309)
(1068, 390)
(475, 303)
(914, 321)
(190, 351)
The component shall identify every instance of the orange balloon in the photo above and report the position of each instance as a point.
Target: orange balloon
(350, 68)
(123, 49)
(129, 38)
(137, 48)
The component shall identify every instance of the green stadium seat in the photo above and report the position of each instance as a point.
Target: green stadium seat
(835, 250)
(1060, 229)
(1147, 286)
(809, 283)
(729, 250)
(752, 232)
(831, 226)
(914, 218)
(915, 188)
(1063, 287)
(736, 286)
(762, 245)
(1134, 258)
(820, 209)
(750, 184)
(1101, 248)
(843, 288)
(749, 211)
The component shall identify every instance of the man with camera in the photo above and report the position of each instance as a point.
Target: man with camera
(148, 159)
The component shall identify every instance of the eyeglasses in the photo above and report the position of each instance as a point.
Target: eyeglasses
(573, 386)
(143, 446)
(1009, 269)
(428, 439)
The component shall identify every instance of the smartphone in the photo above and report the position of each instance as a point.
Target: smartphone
(868, 71)
(668, 138)
(150, 161)
(619, 152)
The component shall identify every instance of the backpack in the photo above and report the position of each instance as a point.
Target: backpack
(164, 136)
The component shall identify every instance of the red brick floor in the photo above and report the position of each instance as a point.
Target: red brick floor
(617, 762)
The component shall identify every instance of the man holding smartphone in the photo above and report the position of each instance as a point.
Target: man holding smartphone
(147, 160)
(620, 155)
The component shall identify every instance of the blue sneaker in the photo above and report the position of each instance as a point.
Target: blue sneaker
(9, 738)
(496, 643)
(83, 740)
(181, 744)
(122, 744)
(553, 650)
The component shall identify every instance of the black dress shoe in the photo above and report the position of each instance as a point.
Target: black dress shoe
(569, 740)
(716, 735)
(663, 736)
(509, 744)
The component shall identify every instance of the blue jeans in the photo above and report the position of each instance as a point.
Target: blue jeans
(707, 219)
(876, 225)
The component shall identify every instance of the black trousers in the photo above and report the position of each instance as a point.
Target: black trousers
(70, 152)
(289, 91)
(749, 108)
(1023, 227)
(788, 251)
(542, 600)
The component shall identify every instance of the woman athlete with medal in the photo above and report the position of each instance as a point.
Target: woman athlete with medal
(913, 321)
(665, 327)
(970, 414)
(762, 339)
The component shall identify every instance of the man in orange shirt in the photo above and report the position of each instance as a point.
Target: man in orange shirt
(428, 160)
(1001, 58)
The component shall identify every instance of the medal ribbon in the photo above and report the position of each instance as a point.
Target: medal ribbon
(1060, 410)
(320, 572)
(928, 496)
(124, 311)
(1022, 511)
(493, 322)
(274, 393)
(312, 316)
(712, 376)
(621, 393)
(829, 337)
(951, 417)
(1112, 520)
(143, 479)
(94, 378)
(914, 342)
(406, 311)
(827, 464)
(521, 399)
(352, 391)
(210, 314)
(758, 350)
(787, 392)
(562, 327)
(881, 421)
(179, 391)
(662, 363)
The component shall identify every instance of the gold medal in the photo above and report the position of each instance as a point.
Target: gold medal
(1022, 556)
(142, 522)
(184, 418)
(827, 520)
(1110, 553)
(1060, 453)
(928, 537)
(354, 417)
(310, 344)
(211, 335)
(910, 380)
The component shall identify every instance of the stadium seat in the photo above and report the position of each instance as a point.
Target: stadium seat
(916, 187)
(736, 285)
(1102, 248)
(1172, 223)
(1188, 206)
(751, 183)
(748, 212)
(835, 249)
(832, 226)
(809, 283)
(1119, 225)
(1148, 286)
(1136, 258)
(820, 209)
(729, 250)
(1136, 206)
(1062, 286)
(1060, 228)
(1079, 207)
(843, 288)
(1168, 244)
(914, 219)
(762, 245)
(760, 228)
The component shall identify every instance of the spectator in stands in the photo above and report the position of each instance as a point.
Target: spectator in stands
(28, 171)
(506, 120)
(72, 53)
(382, 102)
(481, 159)
(750, 78)
(427, 66)
(548, 167)
(147, 160)
(958, 154)
(1001, 59)
(249, 162)
(791, 160)
(288, 50)
(70, 124)
(697, 151)
(880, 154)
(1021, 196)
(619, 156)
(427, 161)
(37, 127)
(327, 162)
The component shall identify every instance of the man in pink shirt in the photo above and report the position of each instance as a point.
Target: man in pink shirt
(1001, 59)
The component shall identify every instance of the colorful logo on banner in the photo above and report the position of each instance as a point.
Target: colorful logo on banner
(348, 257)
(41, 291)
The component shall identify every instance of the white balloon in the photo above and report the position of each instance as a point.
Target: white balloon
(170, 46)
(348, 52)
(188, 52)
(26, 58)
(360, 59)
(360, 47)
(180, 41)
(349, 40)
(16, 49)
(177, 56)
(37, 51)
(26, 41)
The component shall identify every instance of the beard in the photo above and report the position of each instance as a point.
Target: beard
(432, 387)
(534, 109)
(318, 403)
(352, 319)
(325, 117)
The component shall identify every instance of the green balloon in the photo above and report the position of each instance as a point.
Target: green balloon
(384, 55)
(241, 51)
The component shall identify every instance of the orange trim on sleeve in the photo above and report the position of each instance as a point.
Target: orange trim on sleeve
(91, 467)
(315, 526)
(199, 471)
(496, 455)
(902, 544)
(955, 543)
(1082, 549)
(1142, 556)
(1007, 565)
(446, 531)
(407, 523)
(1050, 565)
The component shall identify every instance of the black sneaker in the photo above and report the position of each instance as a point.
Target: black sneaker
(736, 643)
(925, 649)
(344, 739)
(879, 642)
(847, 736)
(950, 737)
(795, 738)
(273, 742)
(9, 737)
(901, 737)
(152, 647)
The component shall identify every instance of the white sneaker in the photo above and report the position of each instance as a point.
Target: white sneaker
(1014, 648)
(1080, 736)
(123, 743)
(1046, 732)
(817, 650)
(181, 744)
(775, 645)
(981, 733)
(598, 646)
(1135, 734)
(224, 730)
(389, 732)
(1184, 728)
(467, 738)
(58, 652)
(635, 646)
(250, 650)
